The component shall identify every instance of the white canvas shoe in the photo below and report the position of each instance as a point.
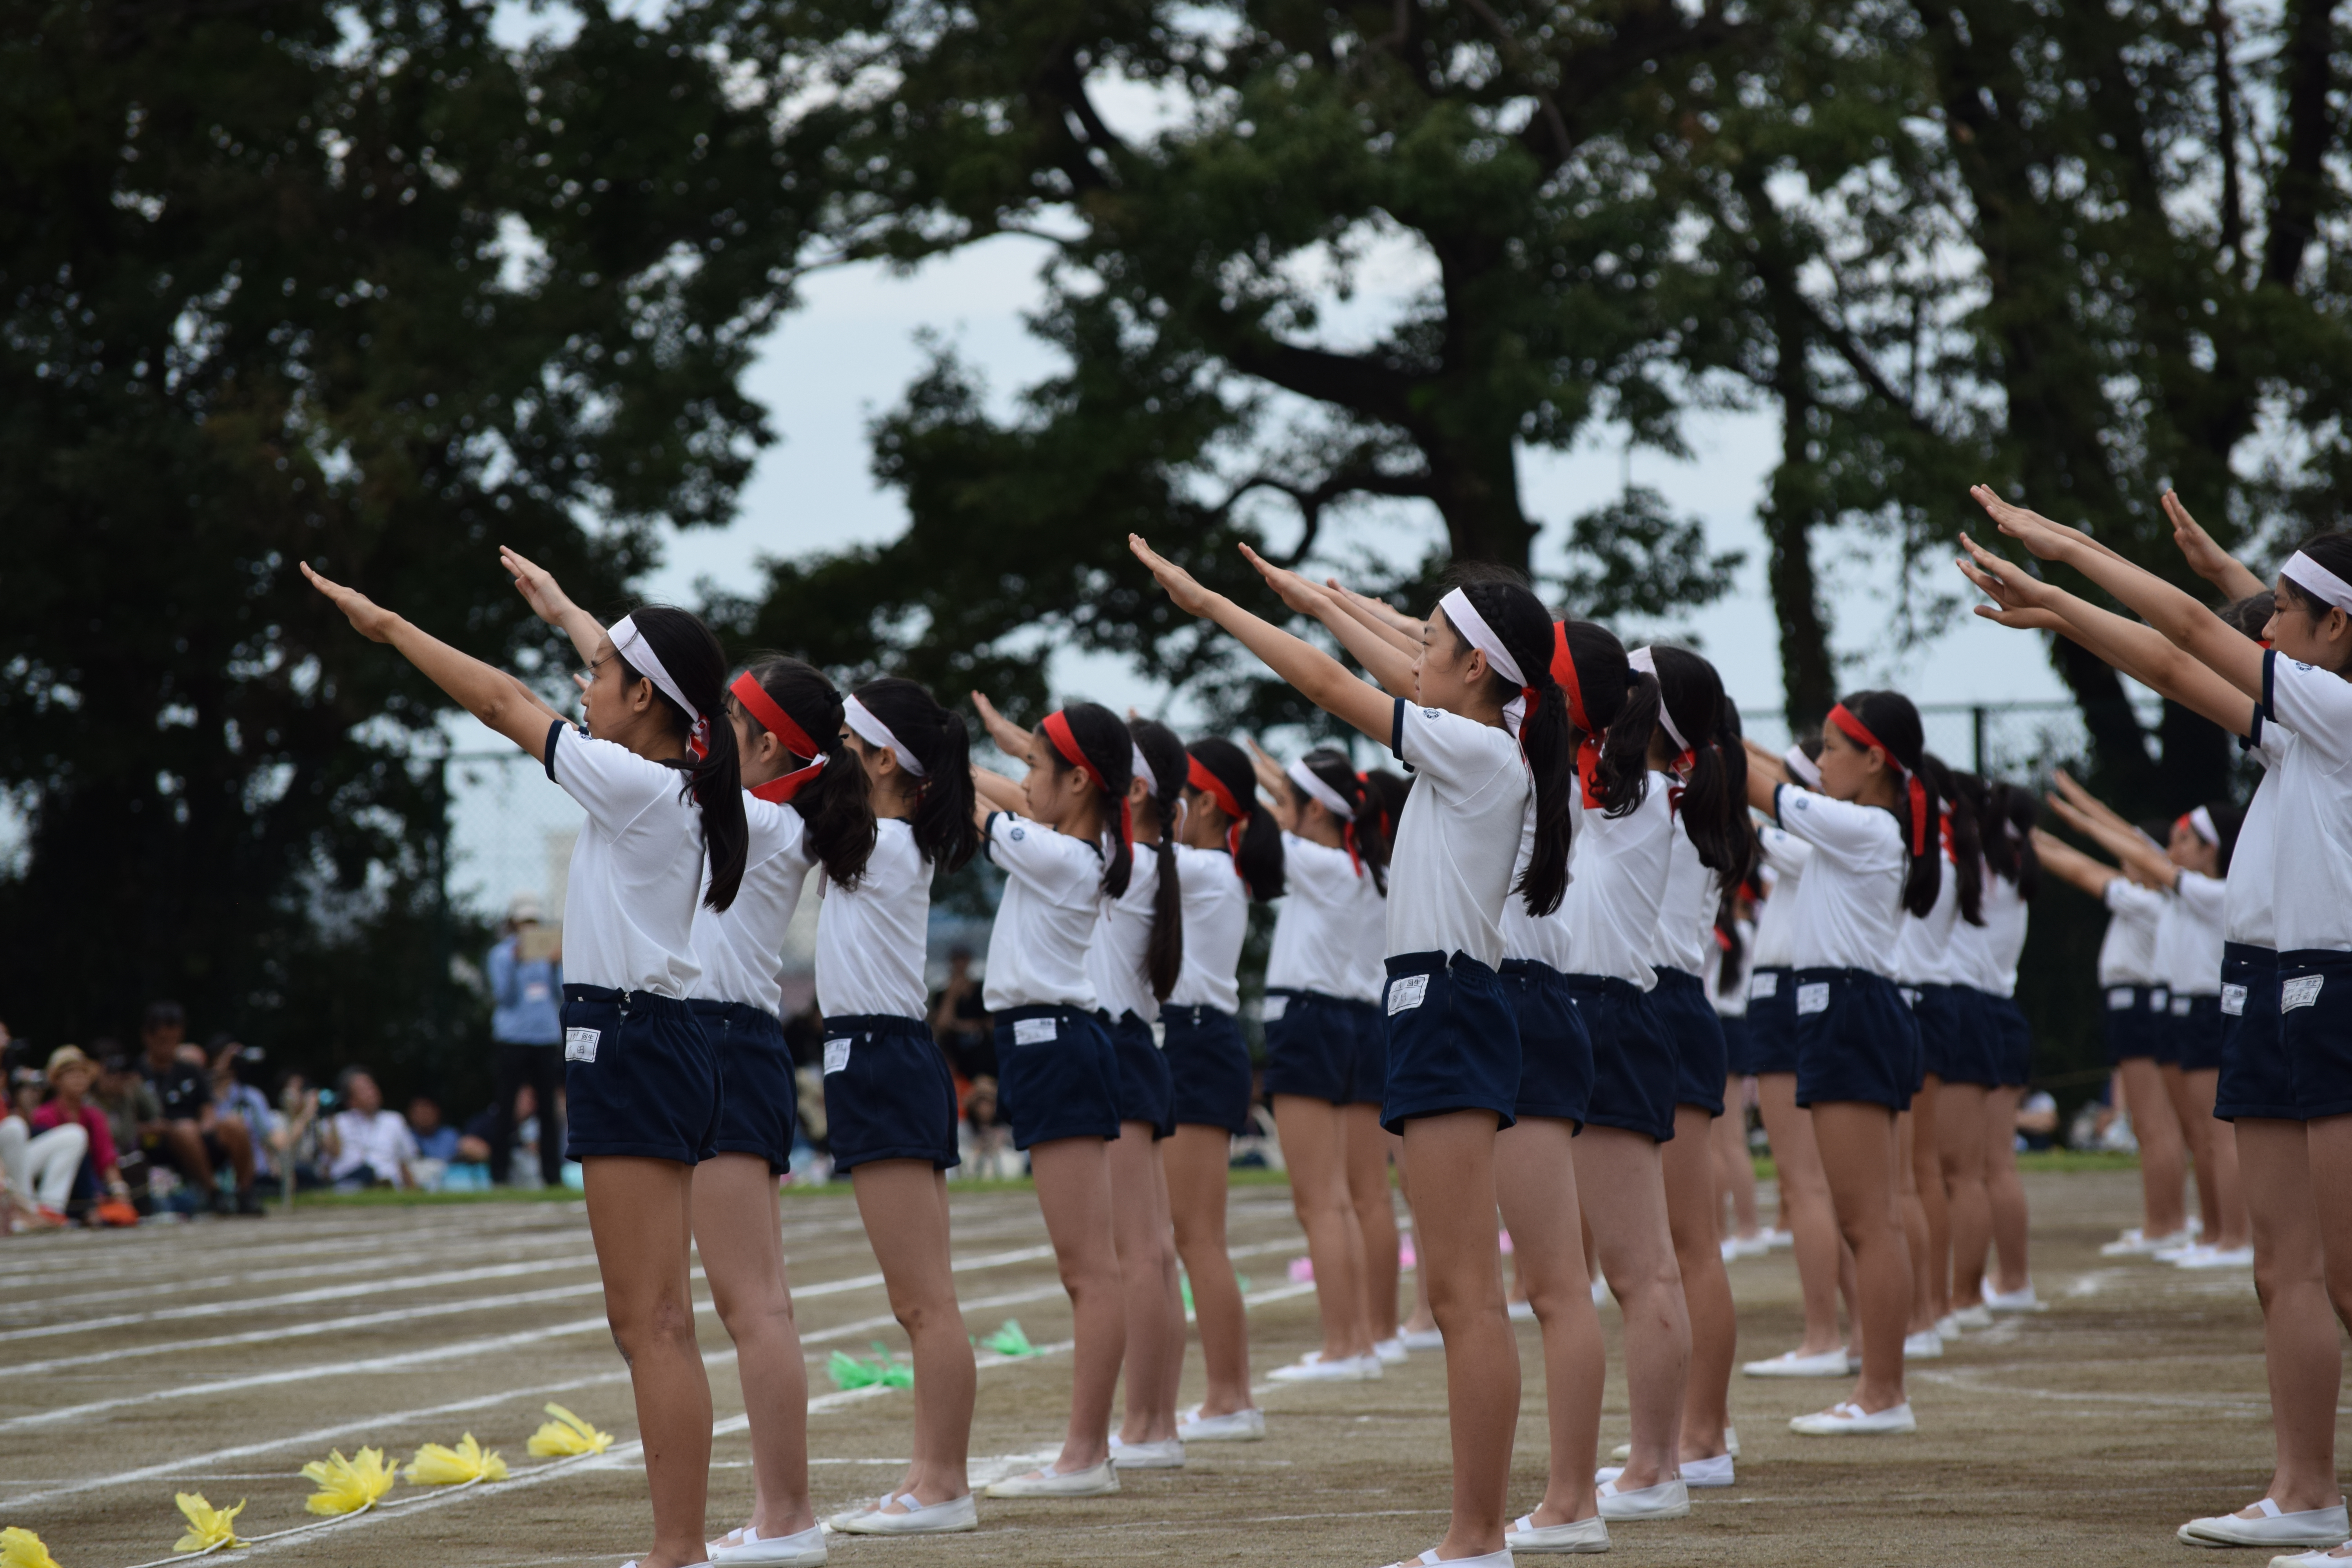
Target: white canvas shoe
(2215, 1257)
(1980, 1315)
(2019, 1300)
(745, 1547)
(1100, 1481)
(1584, 1535)
(920, 1518)
(1847, 1419)
(1925, 1345)
(1430, 1559)
(1714, 1473)
(1667, 1499)
(1796, 1363)
(2132, 1244)
(1314, 1369)
(2321, 1527)
(1165, 1455)
(1234, 1427)
(2319, 1557)
(1391, 1352)
(1422, 1340)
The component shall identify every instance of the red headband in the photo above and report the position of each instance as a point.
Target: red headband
(777, 722)
(1209, 784)
(1588, 749)
(1058, 730)
(1859, 733)
(1373, 798)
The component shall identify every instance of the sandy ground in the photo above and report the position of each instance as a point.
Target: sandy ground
(220, 1356)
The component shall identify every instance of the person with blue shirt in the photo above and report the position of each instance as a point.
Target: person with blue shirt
(527, 1024)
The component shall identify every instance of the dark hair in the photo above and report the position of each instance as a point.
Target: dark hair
(1104, 742)
(2227, 820)
(837, 811)
(942, 819)
(1715, 798)
(1890, 716)
(1605, 682)
(2332, 550)
(1364, 831)
(2250, 615)
(1257, 847)
(1961, 807)
(1389, 790)
(1163, 954)
(1545, 735)
(1728, 978)
(2009, 851)
(162, 1016)
(713, 781)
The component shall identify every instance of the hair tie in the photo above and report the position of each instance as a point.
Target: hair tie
(1588, 747)
(1859, 733)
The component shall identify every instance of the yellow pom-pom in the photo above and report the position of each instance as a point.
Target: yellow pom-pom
(347, 1485)
(22, 1549)
(437, 1466)
(567, 1434)
(210, 1528)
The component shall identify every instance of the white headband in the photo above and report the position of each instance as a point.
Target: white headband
(1324, 796)
(2200, 822)
(1480, 636)
(631, 644)
(1142, 766)
(1806, 770)
(2305, 573)
(873, 732)
(1646, 662)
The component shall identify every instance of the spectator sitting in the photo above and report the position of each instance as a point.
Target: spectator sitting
(2037, 1121)
(41, 1165)
(436, 1139)
(959, 1020)
(295, 1141)
(526, 975)
(475, 1145)
(191, 1135)
(71, 1075)
(237, 1098)
(130, 1105)
(367, 1145)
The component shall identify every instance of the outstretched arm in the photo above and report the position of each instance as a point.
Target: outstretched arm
(488, 693)
(1320, 679)
(1377, 648)
(1274, 785)
(2151, 868)
(548, 602)
(2205, 558)
(2071, 865)
(1766, 774)
(1405, 631)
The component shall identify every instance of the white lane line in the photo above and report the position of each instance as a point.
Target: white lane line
(374, 1263)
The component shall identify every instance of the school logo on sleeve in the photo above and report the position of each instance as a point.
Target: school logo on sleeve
(1813, 997)
(2119, 999)
(2233, 1001)
(1017, 835)
(1407, 991)
(1035, 1031)
(1762, 985)
(1804, 803)
(580, 1044)
(1429, 713)
(836, 1056)
(2303, 992)
(1276, 1006)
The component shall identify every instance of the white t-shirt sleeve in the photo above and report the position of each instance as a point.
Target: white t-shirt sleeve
(612, 784)
(1054, 863)
(1784, 852)
(2202, 894)
(2313, 702)
(1322, 874)
(1460, 754)
(1850, 834)
(2134, 902)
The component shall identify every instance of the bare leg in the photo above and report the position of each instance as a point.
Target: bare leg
(2196, 1135)
(2004, 1194)
(1805, 1207)
(1915, 1225)
(187, 1146)
(2157, 1126)
(1622, 1182)
(739, 1235)
(2226, 1226)
(2300, 1349)
(1422, 1319)
(904, 1204)
(1073, 1178)
(1314, 1147)
(640, 1216)
(1928, 1175)
(1535, 1170)
(1375, 1205)
(236, 1141)
(1735, 1171)
(1859, 1154)
(1195, 1159)
(1960, 1150)
(1689, 1164)
(1147, 1272)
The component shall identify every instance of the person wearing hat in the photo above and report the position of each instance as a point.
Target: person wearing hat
(71, 1149)
(526, 975)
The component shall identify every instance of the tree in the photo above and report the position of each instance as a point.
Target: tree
(355, 284)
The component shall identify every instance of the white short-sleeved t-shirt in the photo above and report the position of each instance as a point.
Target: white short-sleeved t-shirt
(1923, 947)
(1457, 843)
(1781, 873)
(871, 939)
(741, 951)
(1985, 957)
(2189, 936)
(1851, 899)
(2127, 950)
(1622, 865)
(637, 868)
(1729, 993)
(1044, 918)
(1685, 930)
(1216, 919)
(2250, 911)
(1330, 929)
(1117, 958)
(2312, 847)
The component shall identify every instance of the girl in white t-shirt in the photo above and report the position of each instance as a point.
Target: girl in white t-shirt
(656, 772)
(1489, 737)
(889, 1098)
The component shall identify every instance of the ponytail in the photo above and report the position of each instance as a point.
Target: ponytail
(1887, 721)
(2015, 809)
(1387, 791)
(1364, 833)
(1219, 769)
(1728, 980)
(835, 807)
(1715, 795)
(1088, 736)
(1588, 662)
(1547, 735)
(1163, 955)
(942, 822)
(1966, 831)
(694, 662)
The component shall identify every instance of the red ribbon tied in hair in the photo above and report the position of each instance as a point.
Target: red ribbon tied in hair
(777, 722)
(1588, 748)
(1859, 733)
(1210, 785)
(1058, 730)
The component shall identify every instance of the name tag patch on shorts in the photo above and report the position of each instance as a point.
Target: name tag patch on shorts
(580, 1044)
(2302, 992)
(836, 1055)
(1276, 1006)
(1764, 984)
(2160, 999)
(1035, 1031)
(2181, 1007)
(1407, 991)
(2119, 1000)
(1813, 997)
(2233, 1001)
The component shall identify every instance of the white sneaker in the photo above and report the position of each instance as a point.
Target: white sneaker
(1667, 1499)
(1948, 1327)
(1165, 1455)
(1714, 1473)
(2132, 1244)
(2318, 1557)
(1523, 1311)
(1391, 1352)
(1780, 1240)
(1797, 1364)
(804, 1549)
(2175, 1254)
(1925, 1345)
(1584, 1535)
(1234, 1427)
(1847, 1419)
(1731, 1441)
(2323, 1527)
(1422, 1340)
(920, 1518)
(1100, 1481)
(2215, 1257)
(1314, 1369)
(2021, 1301)
(1980, 1315)
(1430, 1559)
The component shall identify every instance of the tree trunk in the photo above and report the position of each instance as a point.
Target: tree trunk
(1474, 480)
(1789, 515)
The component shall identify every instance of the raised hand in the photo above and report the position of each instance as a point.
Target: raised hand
(1183, 591)
(370, 619)
(2036, 532)
(537, 586)
(1413, 626)
(1292, 589)
(1010, 738)
(2019, 599)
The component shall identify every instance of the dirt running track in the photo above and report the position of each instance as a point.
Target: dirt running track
(220, 1356)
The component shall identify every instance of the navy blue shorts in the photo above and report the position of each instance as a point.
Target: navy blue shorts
(1701, 1054)
(1855, 1040)
(1453, 1040)
(2197, 1032)
(1369, 1086)
(1773, 1021)
(1057, 1076)
(888, 1094)
(1739, 1052)
(1958, 1037)
(1635, 1065)
(2138, 1025)
(1145, 1091)
(1208, 1066)
(640, 1077)
(2316, 1017)
(759, 1097)
(1310, 1044)
(1555, 1052)
(2256, 1078)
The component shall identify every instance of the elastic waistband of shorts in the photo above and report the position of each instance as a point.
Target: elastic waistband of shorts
(1193, 1017)
(837, 1024)
(1852, 976)
(1604, 984)
(2247, 953)
(1043, 1010)
(1535, 966)
(627, 1001)
(1325, 998)
(710, 1008)
(1676, 979)
(1430, 962)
